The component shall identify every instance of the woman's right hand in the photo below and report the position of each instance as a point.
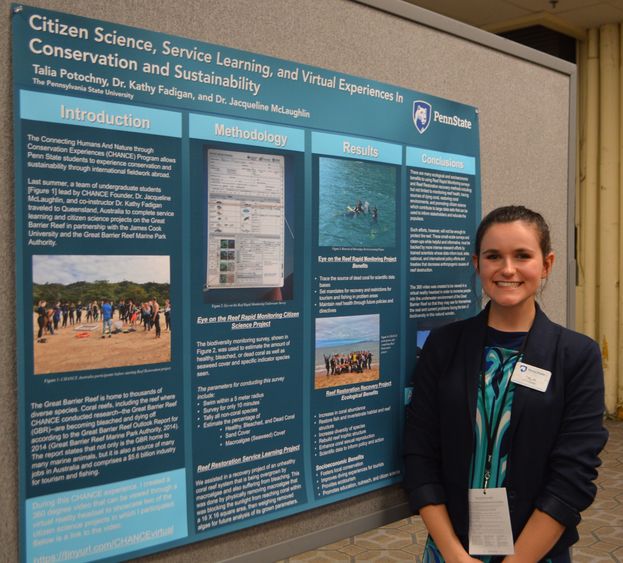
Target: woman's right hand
(437, 521)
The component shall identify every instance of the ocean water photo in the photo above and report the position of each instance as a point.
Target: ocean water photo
(357, 203)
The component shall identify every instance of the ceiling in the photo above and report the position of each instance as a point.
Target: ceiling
(572, 17)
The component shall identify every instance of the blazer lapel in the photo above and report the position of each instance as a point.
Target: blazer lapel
(541, 340)
(474, 346)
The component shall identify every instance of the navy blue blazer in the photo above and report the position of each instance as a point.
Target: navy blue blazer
(555, 436)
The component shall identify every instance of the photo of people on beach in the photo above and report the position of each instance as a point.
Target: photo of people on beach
(357, 203)
(96, 312)
(347, 350)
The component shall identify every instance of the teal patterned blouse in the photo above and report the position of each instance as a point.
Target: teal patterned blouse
(495, 399)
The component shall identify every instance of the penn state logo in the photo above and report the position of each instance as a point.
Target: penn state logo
(421, 115)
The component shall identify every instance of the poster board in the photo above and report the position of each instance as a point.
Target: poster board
(371, 501)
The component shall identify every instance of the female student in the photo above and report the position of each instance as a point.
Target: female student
(506, 406)
(167, 315)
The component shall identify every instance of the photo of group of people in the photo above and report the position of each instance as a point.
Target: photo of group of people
(129, 314)
(353, 362)
(74, 309)
(347, 350)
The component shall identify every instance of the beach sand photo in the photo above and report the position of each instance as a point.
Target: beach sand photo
(347, 350)
(99, 312)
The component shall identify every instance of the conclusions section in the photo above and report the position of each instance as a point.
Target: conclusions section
(442, 216)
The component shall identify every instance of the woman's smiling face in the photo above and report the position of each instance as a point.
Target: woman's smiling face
(511, 264)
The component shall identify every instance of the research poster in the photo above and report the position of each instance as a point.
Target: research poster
(227, 266)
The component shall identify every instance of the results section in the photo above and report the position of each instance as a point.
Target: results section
(356, 310)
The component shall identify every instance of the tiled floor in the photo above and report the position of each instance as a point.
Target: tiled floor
(601, 529)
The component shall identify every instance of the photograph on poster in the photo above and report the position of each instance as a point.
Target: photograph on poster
(98, 312)
(347, 350)
(421, 337)
(357, 203)
(249, 234)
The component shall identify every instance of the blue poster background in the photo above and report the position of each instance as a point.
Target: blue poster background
(275, 241)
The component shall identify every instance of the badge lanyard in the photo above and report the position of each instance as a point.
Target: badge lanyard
(491, 429)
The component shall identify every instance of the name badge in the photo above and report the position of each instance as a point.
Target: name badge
(490, 531)
(530, 376)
